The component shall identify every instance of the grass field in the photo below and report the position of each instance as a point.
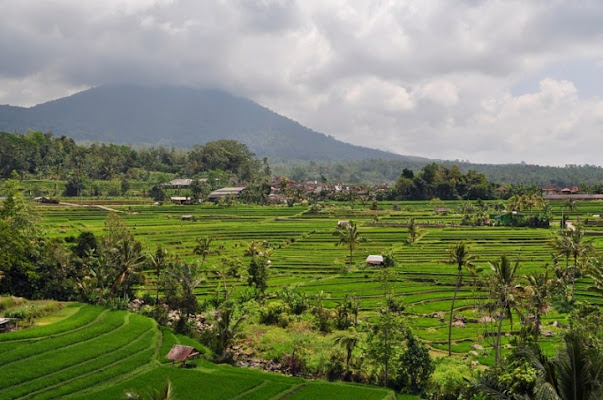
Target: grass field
(94, 353)
(304, 253)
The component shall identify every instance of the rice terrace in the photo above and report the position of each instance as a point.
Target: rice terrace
(318, 289)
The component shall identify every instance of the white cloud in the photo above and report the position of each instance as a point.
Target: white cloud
(420, 77)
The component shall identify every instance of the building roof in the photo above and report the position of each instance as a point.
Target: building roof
(181, 353)
(227, 191)
(183, 181)
(179, 198)
(374, 259)
(7, 320)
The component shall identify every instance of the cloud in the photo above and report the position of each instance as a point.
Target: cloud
(417, 77)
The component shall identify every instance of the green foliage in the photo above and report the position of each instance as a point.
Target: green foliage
(415, 366)
(258, 272)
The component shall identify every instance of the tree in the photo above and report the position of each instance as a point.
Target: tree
(227, 327)
(186, 277)
(576, 373)
(349, 236)
(124, 186)
(571, 243)
(128, 263)
(503, 286)
(157, 193)
(383, 341)
(158, 263)
(538, 293)
(416, 365)
(74, 186)
(413, 230)
(458, 255)
(202, 248)
(348, 341)
(258, 272)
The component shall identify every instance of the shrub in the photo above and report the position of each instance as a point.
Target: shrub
(274, 314)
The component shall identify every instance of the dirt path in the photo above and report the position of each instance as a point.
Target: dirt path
(104, 208)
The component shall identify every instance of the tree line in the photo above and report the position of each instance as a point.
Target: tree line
(44, 156)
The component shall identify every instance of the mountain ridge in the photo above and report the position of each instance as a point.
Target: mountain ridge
(181, 117)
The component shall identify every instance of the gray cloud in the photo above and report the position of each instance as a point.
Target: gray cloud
(438, 79)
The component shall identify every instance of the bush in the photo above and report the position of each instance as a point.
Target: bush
(274, 314)
(448, 379)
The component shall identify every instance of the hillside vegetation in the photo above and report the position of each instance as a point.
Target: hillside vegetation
(96, 353)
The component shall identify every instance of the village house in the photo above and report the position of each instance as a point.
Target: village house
(234, 191)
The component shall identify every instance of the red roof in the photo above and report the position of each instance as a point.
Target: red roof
(181, 353)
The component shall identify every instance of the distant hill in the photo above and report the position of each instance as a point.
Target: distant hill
(180, 117)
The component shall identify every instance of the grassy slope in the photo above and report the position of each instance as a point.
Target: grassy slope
(304, 253)
(95, 353)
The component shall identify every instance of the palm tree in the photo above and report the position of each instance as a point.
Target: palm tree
(503, 286)
(571, 205)
(413, 230)
(595, 271)
(575, 374)
(458, 255)
(128, 262)
(202, 248)
(539, 292)
(349, 236)
(348, 341)
(166, 393)
(578, 248)
(158, 263)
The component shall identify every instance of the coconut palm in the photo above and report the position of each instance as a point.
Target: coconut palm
(458, 255)
(350, 237)
(128, 262)
(538, 292)
(576, 373)
(571, 205)
(202, 248)
(503, 286)
(579, 249)
(595, 271)
(413, 230)
(348, 341)
(158, 263)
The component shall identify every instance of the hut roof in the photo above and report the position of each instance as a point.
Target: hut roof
(181, 353)
(227, 191)
(374, 259)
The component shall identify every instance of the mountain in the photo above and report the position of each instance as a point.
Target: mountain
(180, 117)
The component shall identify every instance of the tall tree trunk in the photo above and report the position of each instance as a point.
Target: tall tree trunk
(497, 345)
(574, 277)
(458, 284)
(347, 362)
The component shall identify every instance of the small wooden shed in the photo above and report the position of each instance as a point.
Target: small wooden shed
(182, 353)
(8, 324)
(374, 260)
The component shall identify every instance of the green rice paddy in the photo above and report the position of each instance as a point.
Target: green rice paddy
(304, 252)
(99, 354)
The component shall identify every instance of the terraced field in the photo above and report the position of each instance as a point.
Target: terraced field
(304, 252)
(99, 354)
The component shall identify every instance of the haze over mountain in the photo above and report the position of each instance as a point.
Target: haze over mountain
(180, 117)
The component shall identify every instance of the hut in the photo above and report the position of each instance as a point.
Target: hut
(181, 200)
(182, 354)
(374, 260)
(8, 324)
(225, 192)
(343, 224)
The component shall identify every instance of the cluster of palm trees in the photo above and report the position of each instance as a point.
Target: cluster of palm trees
(505, 290)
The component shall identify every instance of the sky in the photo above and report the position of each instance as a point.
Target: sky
(482, 81)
